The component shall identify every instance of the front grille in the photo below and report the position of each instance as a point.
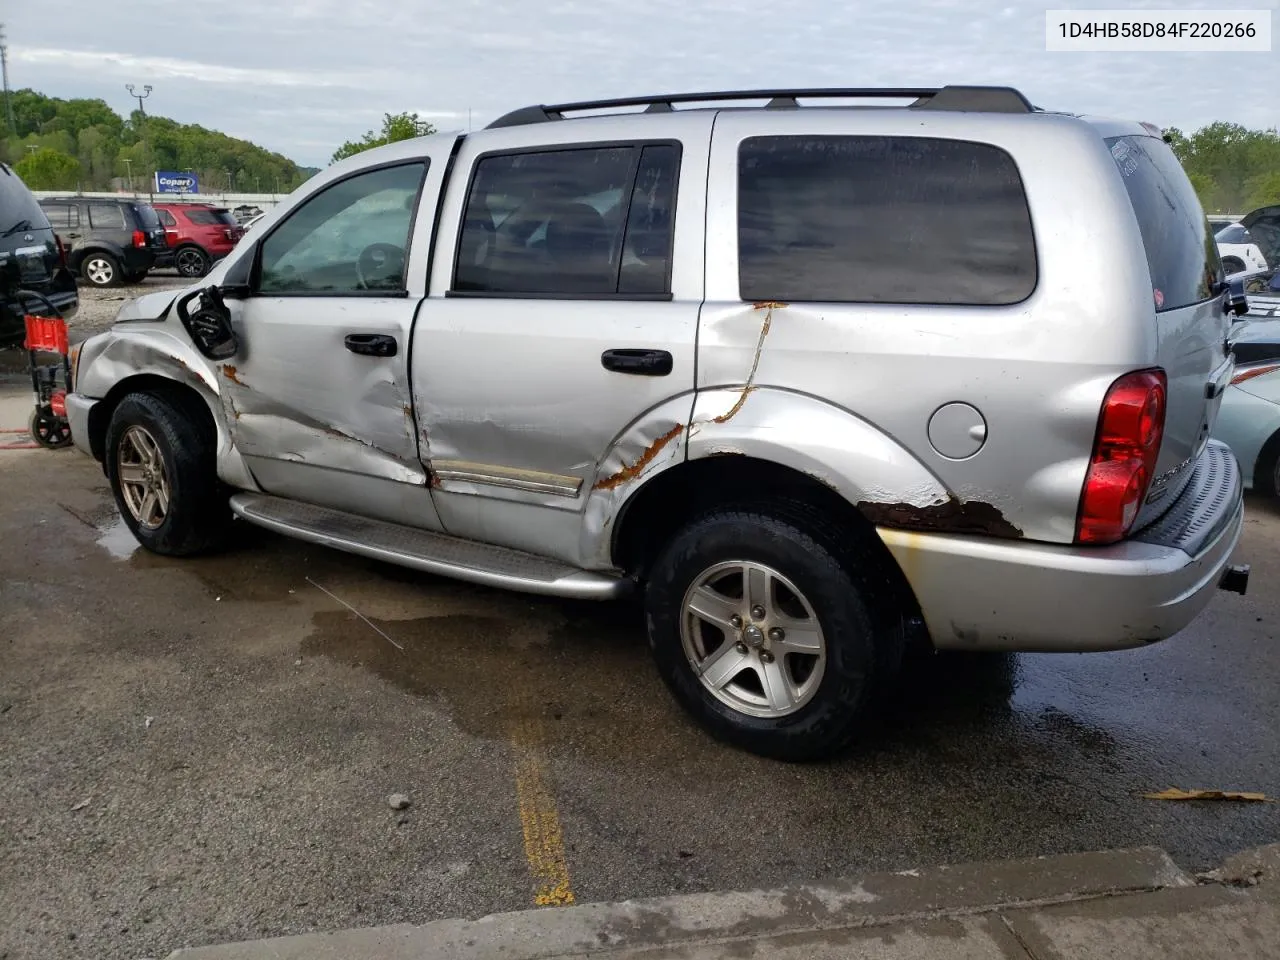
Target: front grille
(1204, 507)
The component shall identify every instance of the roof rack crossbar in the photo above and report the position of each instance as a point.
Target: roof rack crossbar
(985, 99)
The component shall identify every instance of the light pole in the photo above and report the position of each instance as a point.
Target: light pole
(128, 165)
(146, 92)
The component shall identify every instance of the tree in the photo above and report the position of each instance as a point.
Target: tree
(48, 169)
(395, 126)
(1264, 190)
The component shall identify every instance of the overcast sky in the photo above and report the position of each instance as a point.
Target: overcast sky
(300, 77)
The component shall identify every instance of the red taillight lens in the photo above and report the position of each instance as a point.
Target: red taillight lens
(1124, 456)
(139, 238)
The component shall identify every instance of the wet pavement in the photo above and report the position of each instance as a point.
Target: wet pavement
(200, 751)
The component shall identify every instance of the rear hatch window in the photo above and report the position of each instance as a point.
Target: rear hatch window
(1181, 252)
(25, 234)
(148, 219)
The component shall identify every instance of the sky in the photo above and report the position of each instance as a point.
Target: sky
(301, 76)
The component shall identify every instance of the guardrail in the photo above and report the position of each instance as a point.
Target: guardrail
(264, 200)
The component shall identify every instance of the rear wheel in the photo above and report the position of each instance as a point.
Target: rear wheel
(1266, 470)
(191, 262)
(160, 461)
(769, 632)
(101, 270)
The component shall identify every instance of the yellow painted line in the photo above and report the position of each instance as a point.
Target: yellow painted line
(539, 818)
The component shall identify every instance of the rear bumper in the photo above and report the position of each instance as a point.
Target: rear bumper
(985, 594)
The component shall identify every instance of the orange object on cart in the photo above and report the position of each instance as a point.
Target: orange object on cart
(48, 334)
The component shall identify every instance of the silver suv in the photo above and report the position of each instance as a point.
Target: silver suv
(809, 377)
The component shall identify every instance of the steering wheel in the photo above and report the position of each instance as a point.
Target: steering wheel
(380, 262)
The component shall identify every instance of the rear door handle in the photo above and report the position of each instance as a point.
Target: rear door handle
(645, 363)
(371, 344)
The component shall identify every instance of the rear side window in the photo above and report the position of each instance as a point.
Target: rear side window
(1180, 248)
(62, 215)
(106, 216)
(1235, 233)
(583, 221)
(859, 219)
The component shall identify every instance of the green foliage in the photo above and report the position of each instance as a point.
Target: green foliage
(48, 169)
(395, 126)
(1234, 169)
(98, 142)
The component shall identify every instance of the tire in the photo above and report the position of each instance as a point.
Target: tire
(1232, 265)
(1266, 469)
(164, 442)
(191, 262)
(101, 269)
(136, 277)
(818, 581)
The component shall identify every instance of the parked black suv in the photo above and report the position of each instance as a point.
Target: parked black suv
(111, 241)
(31, 258)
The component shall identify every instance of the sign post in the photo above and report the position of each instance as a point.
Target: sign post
(172, 181)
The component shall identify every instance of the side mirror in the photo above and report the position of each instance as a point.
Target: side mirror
(1236, 301)
(209, 323)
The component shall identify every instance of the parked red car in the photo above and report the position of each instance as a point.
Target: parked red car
(198, 235)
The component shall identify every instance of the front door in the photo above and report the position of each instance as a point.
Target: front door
(318, 399)
(563, 312)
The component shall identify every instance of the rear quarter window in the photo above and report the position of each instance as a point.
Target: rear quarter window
(860, 219)
(203, 218)
(1180, 248)
(106, 216)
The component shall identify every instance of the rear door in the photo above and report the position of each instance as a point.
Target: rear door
(562, 311)
(1187, 297)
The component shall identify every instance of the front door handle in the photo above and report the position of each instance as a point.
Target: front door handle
(645, 363)
(371, 344)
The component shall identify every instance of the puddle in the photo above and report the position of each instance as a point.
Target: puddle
(118, 540)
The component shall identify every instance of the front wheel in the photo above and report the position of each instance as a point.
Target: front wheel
(160, 461)
(1232, 265)
(192, 262)
(768, 632)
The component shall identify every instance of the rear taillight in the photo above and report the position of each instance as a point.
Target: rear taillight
(1124, 456)
(139, 238)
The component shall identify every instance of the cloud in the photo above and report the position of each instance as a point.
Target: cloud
(305, 73)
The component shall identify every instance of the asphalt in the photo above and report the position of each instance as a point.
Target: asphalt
(197, 752)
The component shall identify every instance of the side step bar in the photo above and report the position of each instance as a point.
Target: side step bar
(423, 550)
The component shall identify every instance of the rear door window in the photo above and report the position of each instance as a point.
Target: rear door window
(106, 216)
(1181, 252)
(869, 219)
(573, 222)
(62, 215)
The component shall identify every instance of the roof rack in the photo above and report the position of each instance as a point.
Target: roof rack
(983, 99)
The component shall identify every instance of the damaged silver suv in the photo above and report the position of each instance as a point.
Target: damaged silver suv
(808, 369)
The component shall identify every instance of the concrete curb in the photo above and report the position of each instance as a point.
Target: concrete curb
(719, 917)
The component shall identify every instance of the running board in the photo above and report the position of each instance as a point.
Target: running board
(423, 550)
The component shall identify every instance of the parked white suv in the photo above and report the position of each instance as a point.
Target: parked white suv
(804, 375)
